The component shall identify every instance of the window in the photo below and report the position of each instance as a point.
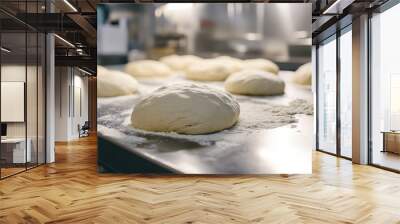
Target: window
(346, 92)
(327, 96)
(385, 89)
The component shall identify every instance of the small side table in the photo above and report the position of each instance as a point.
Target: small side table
(391, 141)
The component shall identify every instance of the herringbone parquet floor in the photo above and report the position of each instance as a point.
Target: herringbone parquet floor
(71, 191)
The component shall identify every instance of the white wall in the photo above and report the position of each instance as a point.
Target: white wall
(82, 82)
(12, 73)
(33, 126)
(62, 82)
(69, 85)
(12, 100)
(16, 73)
(79, 117)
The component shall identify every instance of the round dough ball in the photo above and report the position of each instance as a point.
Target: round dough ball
(101, 70)
(186, 108)
(303, 75)
(235, 64)
(147, 69)
(115, 83)
(180, 63)
(255, 82)
(208, 70)
(261, 64)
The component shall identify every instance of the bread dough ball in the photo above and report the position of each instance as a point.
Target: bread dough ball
(255, 82)
(261, 64)
(147, 69)
(186, 108)
(180, 62)
(209, 70)
(303, 75)
(115, 83)
(235, 64)
(101, 70)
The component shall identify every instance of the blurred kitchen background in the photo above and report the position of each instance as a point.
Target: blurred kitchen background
(127, 32)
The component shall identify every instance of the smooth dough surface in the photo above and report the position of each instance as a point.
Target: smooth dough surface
(115, 83)
(101, 70)
(303, 75)
(147, 69)
(180, 62)
(261, 64)
(235, 64)
(255, 82)
(209, 70)
(186, 108)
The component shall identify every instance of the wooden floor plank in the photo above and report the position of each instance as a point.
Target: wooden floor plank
(71, 191)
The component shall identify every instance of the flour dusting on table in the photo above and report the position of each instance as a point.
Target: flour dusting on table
(256, 114)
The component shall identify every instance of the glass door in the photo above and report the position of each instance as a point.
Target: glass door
(22, 101)
(327, 95)
(14, 153)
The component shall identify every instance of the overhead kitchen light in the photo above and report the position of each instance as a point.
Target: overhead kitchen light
(80, 51)
(300, 34)
(65, 41)
(174, 10)
(70, 5)
(253, 36)
(5, 50)
(178, 6)
(337, 7)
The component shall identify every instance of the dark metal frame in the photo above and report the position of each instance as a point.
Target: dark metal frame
(26, 90)
(44, 71)
(338, 98)
(316, 98)
(369, 101)
(339, 32)
(0, 90)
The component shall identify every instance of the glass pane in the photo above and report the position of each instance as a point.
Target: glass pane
(13, 87)
(41, 99)
(32, 87)
(32, 98)
(385, 89)
(23, 82)
(327, 97)
(346, 94)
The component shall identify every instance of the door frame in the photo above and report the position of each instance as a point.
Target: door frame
(341, 27)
